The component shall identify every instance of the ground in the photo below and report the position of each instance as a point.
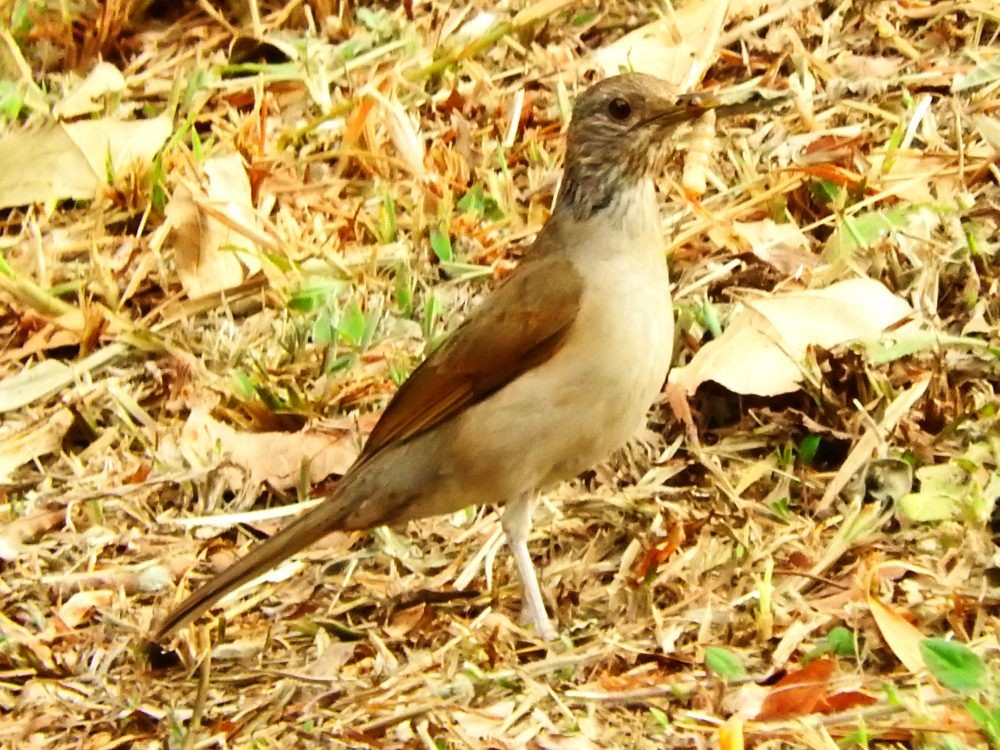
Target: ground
(256, 219)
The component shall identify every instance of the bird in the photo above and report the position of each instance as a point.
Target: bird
(547, 376)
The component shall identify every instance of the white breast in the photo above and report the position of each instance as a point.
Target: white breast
(593, 395)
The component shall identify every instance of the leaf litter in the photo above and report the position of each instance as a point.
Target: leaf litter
(351, 180)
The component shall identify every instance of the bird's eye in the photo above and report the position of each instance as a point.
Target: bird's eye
(619, 108)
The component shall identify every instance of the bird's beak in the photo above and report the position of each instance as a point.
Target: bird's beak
(687, 107)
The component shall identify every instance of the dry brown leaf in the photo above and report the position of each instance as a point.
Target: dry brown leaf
(201, 266)
(902, 637)
(678, 47)
(73, 160)
(784, 246)
(103, 79)
(16, 533)
(209, 255)
(230, 193)
(405, 620)
(916, 177)
(49, 337)
(82, 605)
(762, 350)
(798, 693)
(487, 722)
(403, 133)
(40, 439)
(277, 458)
(333, 658)
(845, 701)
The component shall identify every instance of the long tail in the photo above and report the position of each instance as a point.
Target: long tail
(314, 525)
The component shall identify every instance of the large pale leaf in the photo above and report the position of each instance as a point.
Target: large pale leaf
(902, 637)
(102, 80)
(679, 47)
(764, 347)
(784, 245)
(209, 253)
(75, 160)
(277, 458)
(38, 440)
(49, 376)
(968, 484)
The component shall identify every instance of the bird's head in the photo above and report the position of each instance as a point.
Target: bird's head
(619, 134)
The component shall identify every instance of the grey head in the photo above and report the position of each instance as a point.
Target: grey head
(618, 137)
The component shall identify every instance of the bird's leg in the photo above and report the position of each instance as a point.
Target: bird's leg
(516, 522)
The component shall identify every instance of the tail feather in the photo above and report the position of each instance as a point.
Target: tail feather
(314, 525)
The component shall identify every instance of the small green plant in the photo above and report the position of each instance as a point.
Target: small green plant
(477, 201)
(441, 245)
(387, 227)
(838, 642)
(808, 447)
(959, 668)
(724, 663)
(11, 100)
(955, 665)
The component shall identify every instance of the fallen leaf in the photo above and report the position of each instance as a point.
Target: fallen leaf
(845, 701)
(40, 439)
(866, 73)
(403, 621)
(902, 637)
(48, 376)
(82, 605)
(74, 160)
(103, 79)
(16, 533)
(211, 256)
(798, 693)
(784, 245)
(276, 458)
(915, 178)
(333, 658)
(659, 553)
(488, 722)
(679, 47)
(765, 344)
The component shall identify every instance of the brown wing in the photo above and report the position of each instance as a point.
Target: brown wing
(520, 325)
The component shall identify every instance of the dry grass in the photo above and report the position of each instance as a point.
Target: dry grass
(719, 537)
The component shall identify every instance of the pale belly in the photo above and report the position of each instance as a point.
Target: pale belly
(589, 399)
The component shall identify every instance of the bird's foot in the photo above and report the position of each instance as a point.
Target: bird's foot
(539, 620)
